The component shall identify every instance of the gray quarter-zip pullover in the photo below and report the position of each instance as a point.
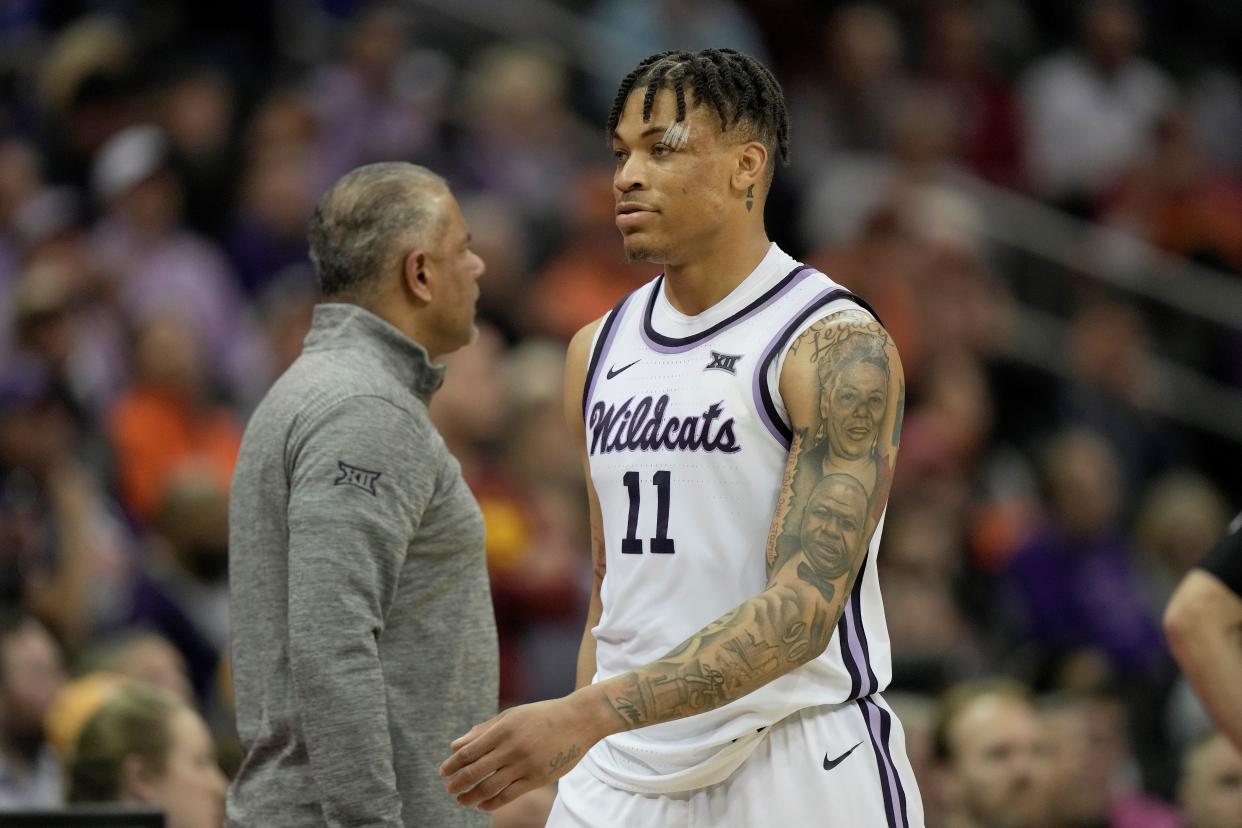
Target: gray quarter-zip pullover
(363, 638)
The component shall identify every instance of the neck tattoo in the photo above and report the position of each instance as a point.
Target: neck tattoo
(750, 197)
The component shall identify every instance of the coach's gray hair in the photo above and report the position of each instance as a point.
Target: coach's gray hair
(359, 221)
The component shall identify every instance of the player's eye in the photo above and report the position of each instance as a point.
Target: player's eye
(620, 155)
(660, 150)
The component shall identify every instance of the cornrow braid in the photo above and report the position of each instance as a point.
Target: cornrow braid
(737, 87)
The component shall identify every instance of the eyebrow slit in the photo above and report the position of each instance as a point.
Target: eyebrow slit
(677, 135)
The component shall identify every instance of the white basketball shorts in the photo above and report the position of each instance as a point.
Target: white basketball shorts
(836, 766)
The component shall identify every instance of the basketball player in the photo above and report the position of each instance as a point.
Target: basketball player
(738, 404)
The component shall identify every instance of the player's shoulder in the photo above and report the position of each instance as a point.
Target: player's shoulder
(580, 343)
(835, 305)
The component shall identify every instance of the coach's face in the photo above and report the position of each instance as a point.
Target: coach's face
(452, 270)
(672, 186)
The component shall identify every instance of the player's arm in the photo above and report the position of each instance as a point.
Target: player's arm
(576, 362)
(820, 536)
(1204, 624)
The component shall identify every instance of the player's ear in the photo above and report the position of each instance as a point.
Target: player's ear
(752, 163)
(417, 275)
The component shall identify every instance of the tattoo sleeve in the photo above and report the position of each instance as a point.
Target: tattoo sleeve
(846, 413)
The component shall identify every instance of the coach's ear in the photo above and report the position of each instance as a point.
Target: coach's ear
(414, 276)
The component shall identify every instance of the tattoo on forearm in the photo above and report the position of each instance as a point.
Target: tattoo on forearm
(749, 646)
(563, 758)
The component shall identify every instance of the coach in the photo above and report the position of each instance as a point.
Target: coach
(363, 635)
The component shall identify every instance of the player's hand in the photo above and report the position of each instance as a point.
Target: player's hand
(523, 748)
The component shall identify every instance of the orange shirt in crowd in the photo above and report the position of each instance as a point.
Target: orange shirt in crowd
(154, 434)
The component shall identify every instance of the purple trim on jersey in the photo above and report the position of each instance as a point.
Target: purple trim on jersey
(886, 733)
(673, 345)
(762, 394)
(882, 769)
(611, 324)
(858, 655)
(756, 386)
(852, 638)
(860, 629)
(880, 729)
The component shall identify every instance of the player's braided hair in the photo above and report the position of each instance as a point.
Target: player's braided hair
(740, 89)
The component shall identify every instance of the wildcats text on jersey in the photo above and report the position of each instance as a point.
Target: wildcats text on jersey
(642, 427)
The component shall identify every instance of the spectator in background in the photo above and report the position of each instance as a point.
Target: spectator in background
(268, 232)
(74, 704)
(1092, 775)
(138, 655)
(521, 139)
(196, 106)
(31, 674)
(842, 105)
(531, 555)
(501, 240)
(159, 267)
(86, 81)
(989, 127)
(920, 567)
(20, 180)
(64, 542)
(543, 588)
(1178, 199)
(1180, 518)
(63, 308)
(640, 27)
(987, 745)
(384, 99)
(1111, 390)
(183, 592)
(586, 277)
(1089, 109)
(166, 420)
(283, 125)
(1073, 582)
(1211, 787)
(145, 747)
(286, 310)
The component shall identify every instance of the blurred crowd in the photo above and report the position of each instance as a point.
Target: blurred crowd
(158, 164)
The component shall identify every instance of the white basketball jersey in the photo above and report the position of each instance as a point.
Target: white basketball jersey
(687, 440)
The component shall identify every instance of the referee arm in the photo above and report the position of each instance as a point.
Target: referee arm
(1204, 625)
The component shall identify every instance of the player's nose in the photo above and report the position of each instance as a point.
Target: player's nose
(629, 176)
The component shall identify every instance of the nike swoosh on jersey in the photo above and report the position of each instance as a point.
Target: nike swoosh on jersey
(829, 764)
(612, 372)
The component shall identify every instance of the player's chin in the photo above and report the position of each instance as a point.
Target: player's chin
(638, 249)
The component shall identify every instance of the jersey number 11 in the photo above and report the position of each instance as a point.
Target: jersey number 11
(661, 544)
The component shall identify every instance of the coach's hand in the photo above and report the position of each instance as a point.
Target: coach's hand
(525, 747)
